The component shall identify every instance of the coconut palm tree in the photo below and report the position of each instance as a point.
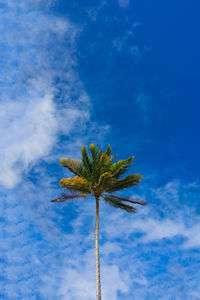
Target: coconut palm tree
(97, 175)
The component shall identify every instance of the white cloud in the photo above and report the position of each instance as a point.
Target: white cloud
(41, 95)
(78, 281)
(154, 228)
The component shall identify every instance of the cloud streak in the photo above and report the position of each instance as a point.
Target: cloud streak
(41, 95)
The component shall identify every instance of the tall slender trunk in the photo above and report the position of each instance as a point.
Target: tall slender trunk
(97, 261)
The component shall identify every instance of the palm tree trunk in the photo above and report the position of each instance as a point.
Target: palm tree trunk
(97, 261)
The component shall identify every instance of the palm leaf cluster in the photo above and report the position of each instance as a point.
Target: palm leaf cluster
(98, 175)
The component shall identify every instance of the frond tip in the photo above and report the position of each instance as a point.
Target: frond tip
(68, 197)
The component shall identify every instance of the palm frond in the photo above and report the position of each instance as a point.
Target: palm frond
(94, 151)
(72, 165)
(76, 184)
(104, 179)
(105, 164)
(86, 161)
(119, 204)
(108, 150)
(135, 201)
(95, 159)
(101, 162)
(114, 157)
(68, 197)
(120, 184)
(121, 167)
(84, 172)
(75, 166)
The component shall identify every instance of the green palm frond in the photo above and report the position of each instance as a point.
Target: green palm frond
(118, 204)
(84, 172)
(104, 179)
(121, 167)
(95, 162)
(86, 161)
(101, 162)
(95, 151)
(120, 184)
(114, 157)
(75, 166)
(108, 151)
(105, 164)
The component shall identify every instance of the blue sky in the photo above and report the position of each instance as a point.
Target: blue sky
(121, 72)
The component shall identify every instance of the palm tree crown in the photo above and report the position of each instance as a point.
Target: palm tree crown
(99, 176)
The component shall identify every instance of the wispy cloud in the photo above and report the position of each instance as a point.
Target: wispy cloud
(139, 252)
(178, 219)
(123, 3)
(41, 95)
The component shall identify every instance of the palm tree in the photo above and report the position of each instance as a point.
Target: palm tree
(98, 176)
